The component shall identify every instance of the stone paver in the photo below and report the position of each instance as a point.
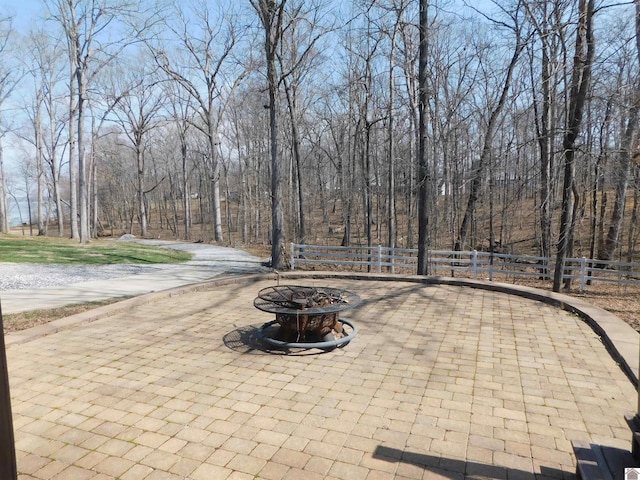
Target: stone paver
(440, 382)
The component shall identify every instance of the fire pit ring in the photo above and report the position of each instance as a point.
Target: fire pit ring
(308, 317)
(324, 345)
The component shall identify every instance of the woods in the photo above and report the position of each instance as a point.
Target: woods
(507, 127)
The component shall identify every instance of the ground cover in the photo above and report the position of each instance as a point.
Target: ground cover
(33, 318)
(47, 250)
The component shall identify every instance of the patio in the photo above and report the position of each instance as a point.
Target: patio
(440, 382)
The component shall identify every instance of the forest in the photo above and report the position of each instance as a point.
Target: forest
(504, 126)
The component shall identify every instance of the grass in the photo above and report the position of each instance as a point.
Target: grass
(69, 252)
(47, 250)
(21, 321)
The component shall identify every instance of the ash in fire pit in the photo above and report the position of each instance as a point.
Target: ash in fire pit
(308, 316)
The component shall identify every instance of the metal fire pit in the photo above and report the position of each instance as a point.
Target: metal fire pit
(308, 317)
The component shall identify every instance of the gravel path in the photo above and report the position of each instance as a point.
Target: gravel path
(17, 276)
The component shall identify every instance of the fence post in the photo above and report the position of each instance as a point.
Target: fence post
(392, 259)
(583, 274)
(293, 258)
(491, 261)
(379, 258)
(474, 263)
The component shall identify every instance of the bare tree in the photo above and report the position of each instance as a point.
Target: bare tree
(424, 175)
(580, 78)
(627, 143)
(478, 168)
(44, 65)
(272, 17)
(36, 137)
(206, 40)
(8, 79)
(365, 112)
(96, 32)
(117, 182)
(394, 32)
(182, 111)
(410, 54)
(298, 56)
(137, 99)
(550, 27)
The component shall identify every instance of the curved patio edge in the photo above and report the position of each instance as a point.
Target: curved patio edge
(620, 339)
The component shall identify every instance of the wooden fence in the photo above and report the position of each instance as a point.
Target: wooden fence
(473, 264)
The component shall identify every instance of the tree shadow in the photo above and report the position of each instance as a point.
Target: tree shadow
(454, 469)
(247, 340)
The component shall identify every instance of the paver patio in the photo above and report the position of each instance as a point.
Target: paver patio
(440, 382)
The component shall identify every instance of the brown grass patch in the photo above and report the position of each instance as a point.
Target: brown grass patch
(21, 321)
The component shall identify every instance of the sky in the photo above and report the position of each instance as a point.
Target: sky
(24, 11)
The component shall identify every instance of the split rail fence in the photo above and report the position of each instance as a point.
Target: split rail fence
(470, 264)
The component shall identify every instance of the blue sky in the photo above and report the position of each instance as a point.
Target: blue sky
(25, 12)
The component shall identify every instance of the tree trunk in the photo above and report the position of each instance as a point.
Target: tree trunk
(83, 198)
(83, 190)
(39, 170)
(633, 225)
(478, 169)
(391, 182)
(271, 14)
(55, 171)
(95, 221)
(295, 139)
(548, 31)
(624, 162)
(580, 78)
(73, 157)
(93, 183)
(186, 192)
(142, 209)
(58, 198)
(366, 173)
(596, 239)
(545, 142)
(4, 207)
(216, 207)
(424, 177)
(277, 215)
(621, 182)
(408, 68)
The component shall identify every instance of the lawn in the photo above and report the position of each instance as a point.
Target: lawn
(98, 252)
(65, 251)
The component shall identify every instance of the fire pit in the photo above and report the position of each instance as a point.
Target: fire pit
(308, 317)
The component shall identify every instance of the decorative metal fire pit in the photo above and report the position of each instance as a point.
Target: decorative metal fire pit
(308, 317)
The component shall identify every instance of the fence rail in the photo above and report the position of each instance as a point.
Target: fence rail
(471, 263)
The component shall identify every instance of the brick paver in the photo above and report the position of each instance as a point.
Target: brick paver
(440, 382)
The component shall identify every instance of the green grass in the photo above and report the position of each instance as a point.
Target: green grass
(98, 252)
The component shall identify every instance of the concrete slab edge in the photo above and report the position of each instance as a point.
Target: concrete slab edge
(620, 339)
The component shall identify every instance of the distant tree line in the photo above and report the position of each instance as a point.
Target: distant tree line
(407, 123)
